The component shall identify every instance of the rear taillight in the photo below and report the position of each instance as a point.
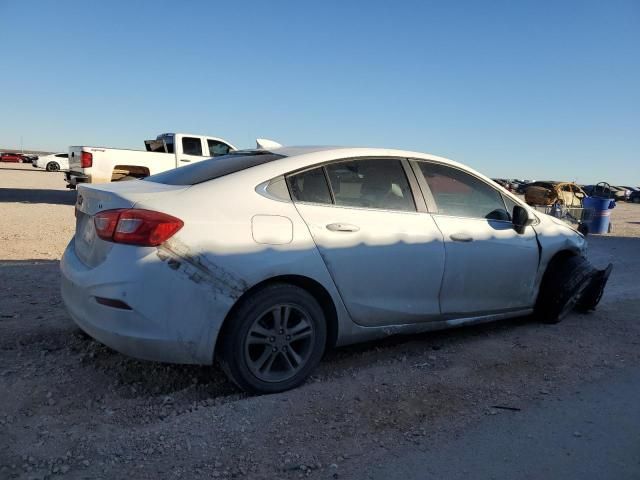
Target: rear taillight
(86, 160)
(136, 226)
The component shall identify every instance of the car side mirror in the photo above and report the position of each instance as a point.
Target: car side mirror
(521, 219)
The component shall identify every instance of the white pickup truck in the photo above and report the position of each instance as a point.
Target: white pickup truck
(167, 151)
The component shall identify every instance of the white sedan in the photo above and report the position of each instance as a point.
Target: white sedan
(263, 259)
(53, 163)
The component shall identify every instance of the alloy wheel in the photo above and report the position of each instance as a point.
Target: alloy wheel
(279, 343)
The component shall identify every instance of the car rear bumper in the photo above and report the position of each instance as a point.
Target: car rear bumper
(158, 327)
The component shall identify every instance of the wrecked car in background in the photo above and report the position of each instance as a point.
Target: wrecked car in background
(263, 259)
(550, 193)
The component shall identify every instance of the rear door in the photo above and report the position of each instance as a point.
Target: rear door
(489, 267)
(383, 251)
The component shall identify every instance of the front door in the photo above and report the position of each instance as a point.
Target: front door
(489, 267)
(385, 257)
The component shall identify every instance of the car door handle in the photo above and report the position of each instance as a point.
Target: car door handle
(342, 227)
(184, 160)
(460, 237)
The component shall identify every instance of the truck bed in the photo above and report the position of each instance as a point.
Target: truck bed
(110, 164)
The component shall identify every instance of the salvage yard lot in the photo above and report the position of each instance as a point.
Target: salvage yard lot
(72, 406)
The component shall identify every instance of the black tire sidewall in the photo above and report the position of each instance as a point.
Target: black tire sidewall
(232, 357)
(52, 167)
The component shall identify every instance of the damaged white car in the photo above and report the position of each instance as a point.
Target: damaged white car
(264, 259)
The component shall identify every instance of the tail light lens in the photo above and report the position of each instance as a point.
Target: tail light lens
(86, 159)
(136, 226)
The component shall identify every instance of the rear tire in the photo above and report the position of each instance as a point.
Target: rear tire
(53, 167)
(273, 340)
(562, 286)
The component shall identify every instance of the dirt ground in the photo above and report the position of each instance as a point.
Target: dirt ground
(74, 408)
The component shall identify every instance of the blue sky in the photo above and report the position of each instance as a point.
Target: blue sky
(539, 89)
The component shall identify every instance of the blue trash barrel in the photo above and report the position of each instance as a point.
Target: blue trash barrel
(601, 213)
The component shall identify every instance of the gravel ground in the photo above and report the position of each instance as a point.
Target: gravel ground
(74, 408)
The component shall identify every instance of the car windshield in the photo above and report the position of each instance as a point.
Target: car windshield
(214, 168)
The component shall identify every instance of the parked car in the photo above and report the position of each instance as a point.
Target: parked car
(635, 196)
(547, 193)
(606, 191)
(12, 158)
(167, 151)
(522, 187)
(266, 258)
(54, 162)
(626, 191)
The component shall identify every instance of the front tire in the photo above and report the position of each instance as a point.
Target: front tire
(52, 167)
(274, 339)
(562, 286)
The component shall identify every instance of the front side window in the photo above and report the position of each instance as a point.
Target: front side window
(191, 146)
(310, 186)
(459, 194)
(510, 205)
(217, 148)
(374, 183)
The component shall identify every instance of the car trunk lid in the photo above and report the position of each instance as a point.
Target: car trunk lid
(91, 249)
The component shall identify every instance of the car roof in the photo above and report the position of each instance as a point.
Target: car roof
(300, 157)
(337, 152)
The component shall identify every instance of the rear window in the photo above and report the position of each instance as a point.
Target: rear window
(216, 167)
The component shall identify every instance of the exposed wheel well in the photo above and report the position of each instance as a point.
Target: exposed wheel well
(313, 287)
(558, 257)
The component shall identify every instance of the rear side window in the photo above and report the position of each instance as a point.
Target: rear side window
(366, 183)
(459, 194)
(191, 146)
(211, 169)
(217, 148)
(310, 186)
(371, 183)
(62, 155)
